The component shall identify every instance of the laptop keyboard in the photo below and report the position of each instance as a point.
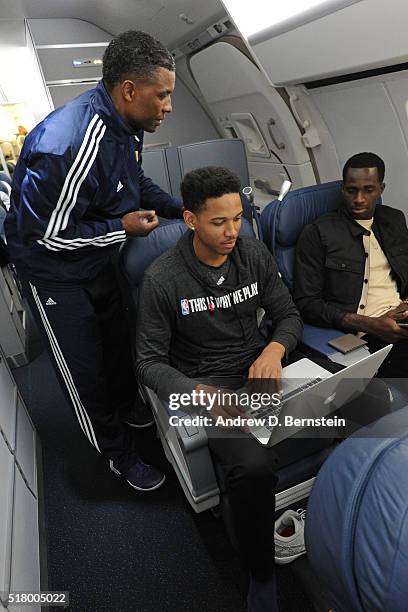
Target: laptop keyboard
(309, 383)
(275, 410)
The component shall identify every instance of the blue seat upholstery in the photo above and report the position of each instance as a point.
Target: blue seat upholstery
(166, 166)
(138, 253)
(5, 178)
(357, 526)
(282, 222)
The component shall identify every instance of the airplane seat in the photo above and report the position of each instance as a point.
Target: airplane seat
(5, 178)
(4, 206)
(282, 223)
(186, 447)
(357, 525)
(167, 165)
(227, 152)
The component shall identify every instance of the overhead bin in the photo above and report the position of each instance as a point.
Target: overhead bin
(64, 64)
(70, 54)
(358, 37)
(66, 31)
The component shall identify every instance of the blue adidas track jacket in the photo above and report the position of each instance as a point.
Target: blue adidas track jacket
(79, 172)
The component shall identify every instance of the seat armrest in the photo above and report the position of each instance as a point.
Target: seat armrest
(191, 437)
(318, 338)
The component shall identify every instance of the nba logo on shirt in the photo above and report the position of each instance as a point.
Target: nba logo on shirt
(185, 308)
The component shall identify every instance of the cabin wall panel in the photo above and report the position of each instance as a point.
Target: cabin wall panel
(25, 560)
(26, 446)
(6, 512)
(19, 530)
(66, 31)
(247, 106)
(231, 83)
(7, 405)
(397, 90)
(12, 33)
(61, 94)
(187, 123)
(362, 116)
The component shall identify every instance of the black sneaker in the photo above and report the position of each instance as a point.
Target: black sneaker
(140, 415)
(141, 476)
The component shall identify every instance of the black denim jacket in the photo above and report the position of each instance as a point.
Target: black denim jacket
(330, 261)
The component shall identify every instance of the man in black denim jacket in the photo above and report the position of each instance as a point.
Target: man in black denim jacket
(351, 268)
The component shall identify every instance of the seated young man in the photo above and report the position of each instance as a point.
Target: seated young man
(198, 318)
(351, 270)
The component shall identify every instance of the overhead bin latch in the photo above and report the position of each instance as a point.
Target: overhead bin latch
(310, 136)
(265, 186)
(279, 145)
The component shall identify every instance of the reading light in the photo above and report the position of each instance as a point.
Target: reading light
(284, 190)
(259, 20)
(87, 62)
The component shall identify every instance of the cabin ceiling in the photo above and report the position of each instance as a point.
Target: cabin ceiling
(158, 17)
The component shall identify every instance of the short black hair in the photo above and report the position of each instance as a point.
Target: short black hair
(365, 160)
(209, 182)
(134, 54)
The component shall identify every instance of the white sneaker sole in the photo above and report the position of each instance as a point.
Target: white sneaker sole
(159, 484)
(135, 426)
(286, 560)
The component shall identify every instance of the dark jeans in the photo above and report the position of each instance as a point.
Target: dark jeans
(85, 331)
(250, 482)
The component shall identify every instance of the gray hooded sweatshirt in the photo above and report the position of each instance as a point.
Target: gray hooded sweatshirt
(189, 327)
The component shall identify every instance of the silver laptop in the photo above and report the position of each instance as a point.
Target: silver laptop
(311, 392)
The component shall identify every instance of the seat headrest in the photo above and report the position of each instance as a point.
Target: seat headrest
(303, 206)
(138, 253)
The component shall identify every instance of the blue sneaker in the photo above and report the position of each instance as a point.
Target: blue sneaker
(144, 477)
(141, 476)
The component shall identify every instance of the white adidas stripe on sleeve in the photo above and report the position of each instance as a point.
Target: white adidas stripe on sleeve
(69, 193)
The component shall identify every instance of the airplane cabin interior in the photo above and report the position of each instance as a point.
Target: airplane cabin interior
(283, 100)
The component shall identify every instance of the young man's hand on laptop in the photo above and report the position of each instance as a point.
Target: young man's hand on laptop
(267, 367)
(225, 408)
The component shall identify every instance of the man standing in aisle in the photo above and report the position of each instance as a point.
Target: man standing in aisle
(76, 194)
